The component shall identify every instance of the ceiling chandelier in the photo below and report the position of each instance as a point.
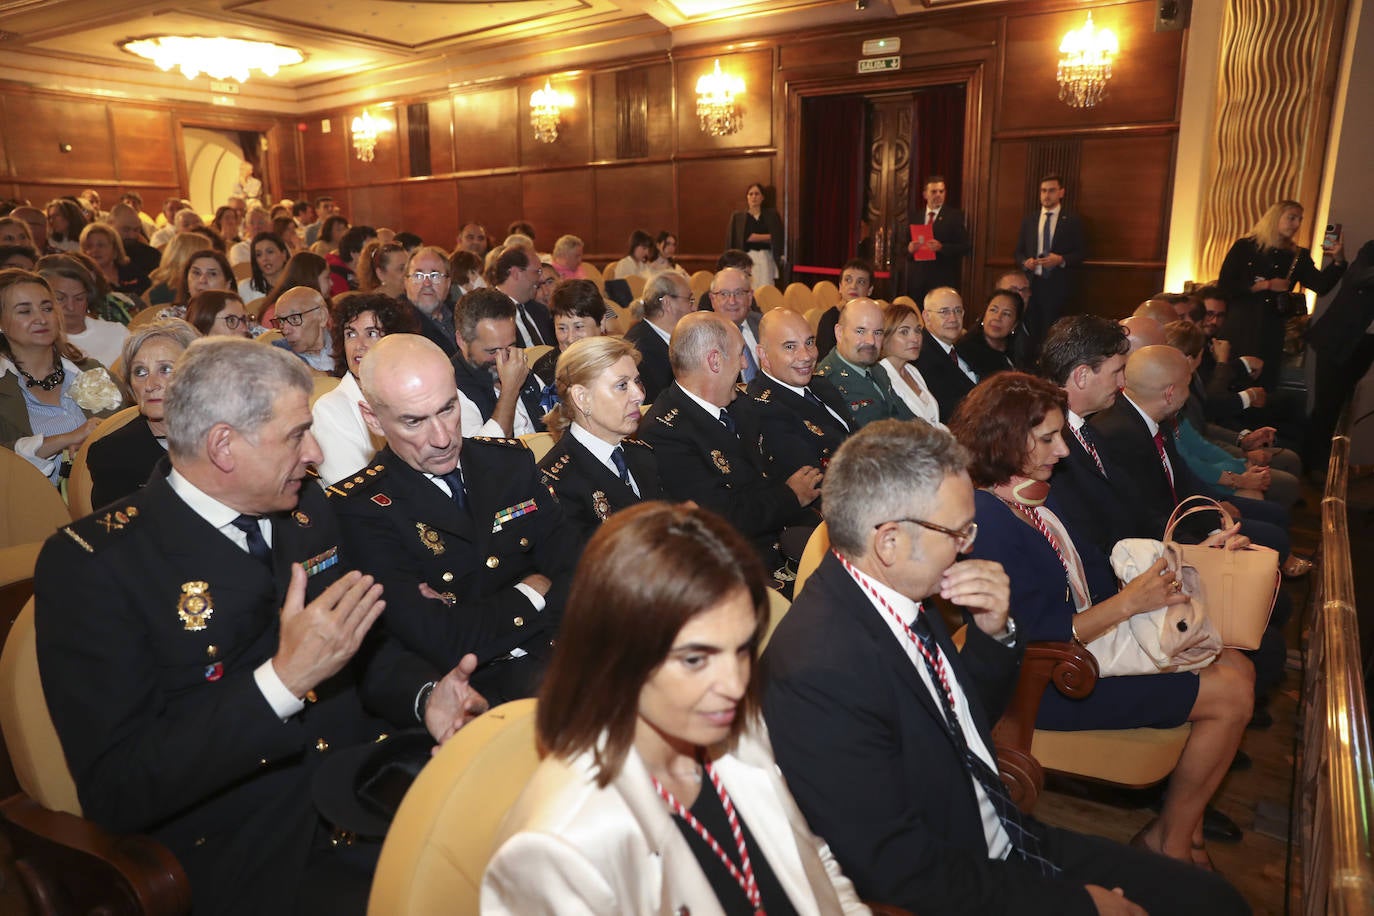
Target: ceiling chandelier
(219, 58)
(717, 102)
(546, 112)
(1085, 65)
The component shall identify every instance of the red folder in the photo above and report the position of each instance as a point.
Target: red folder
(920, 234)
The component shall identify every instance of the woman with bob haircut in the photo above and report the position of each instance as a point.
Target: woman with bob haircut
(219, 312)
(649, 726)
(1063, 589)
(596, 467)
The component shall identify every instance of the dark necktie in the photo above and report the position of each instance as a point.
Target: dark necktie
(811, 396)
(1048, 235)
(1085, 438)
(454, 479)
(257, 544)
(727, 421)
(531, 331)
(618, 459)
(1164, 461)
(1024, 839)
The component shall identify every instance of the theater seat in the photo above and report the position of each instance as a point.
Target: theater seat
(798, 298)
(32, 506)
(536, 353)
(778, 605)
(79, 484)
(816, 547)
(538, 443)
(445, 830)
(67, 864)
(700, 282)
(826, 294)
(768, 297)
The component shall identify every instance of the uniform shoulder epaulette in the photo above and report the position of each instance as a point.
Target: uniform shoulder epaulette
(764, 396)
(639, 442)
(668, 418)
(556, 468)
(741, 387)
(822, 370)
(358, 483)
(498, 440)
(88, 533)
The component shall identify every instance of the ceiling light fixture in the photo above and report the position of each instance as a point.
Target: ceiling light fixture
(219, 58)
(718, 104)
(1085, 65)
(546, 112)
(365, 130)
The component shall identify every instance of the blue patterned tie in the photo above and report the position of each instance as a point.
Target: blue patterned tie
(618, 459)
(1024, 839)
(257, 544)
(727, 421)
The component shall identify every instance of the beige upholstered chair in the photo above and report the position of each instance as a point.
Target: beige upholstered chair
(242, 272)
(608, 272)
(32, 507)
(825, 293)
(536, 353)
(811, 557)
(323, 385)
(16, 588)
(768, 297)
(538, 443)
(145, 317)
(700, 282)
(636, 284)
(907, 301)
(79, 484)
(798, 298)
(778, 606)
(813, 317)
(445, 830)
(67, 863)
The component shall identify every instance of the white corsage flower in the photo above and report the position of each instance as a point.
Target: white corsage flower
(94, 391)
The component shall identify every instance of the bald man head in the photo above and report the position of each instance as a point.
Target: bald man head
(1157, 380)
(1161, 310)
(859, 332)
(1143, 332)
(411, 399)
(787, 347)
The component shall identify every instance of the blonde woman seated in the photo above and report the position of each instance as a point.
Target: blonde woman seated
(567, 259)
(596, 467)
(902, 334)
(653, 744)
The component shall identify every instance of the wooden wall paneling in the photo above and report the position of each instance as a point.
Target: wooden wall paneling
(143, 144)
(35, 126)
(484, 129)
(629, 198)
(493, 201)
(1124, 196)
(1006, 205)
(441, 136)
(4, 157)
(709, 190)
(429, 209)
(661, 122)
(756, 69)
(919, 43)
(574, 143)
(386, 157)
(1115, 291)
(558, 203)
(322, 154)
(376, 206)
(1145, 75)
(283, 157)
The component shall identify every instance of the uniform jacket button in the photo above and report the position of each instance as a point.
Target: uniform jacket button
(447, 577)
(519, 621)
(321, 745)
(493, 562)
(524, 543)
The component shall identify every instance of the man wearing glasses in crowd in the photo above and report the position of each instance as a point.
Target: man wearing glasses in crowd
(427, 286)
(667, 298)
(731, 298)
(947, 375)
(303, 319)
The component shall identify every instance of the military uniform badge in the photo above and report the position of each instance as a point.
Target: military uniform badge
(195, 605)
(301, 518)
(813, 428)
(600, 505)
(668, 418)
(430, 538)
(720, 461)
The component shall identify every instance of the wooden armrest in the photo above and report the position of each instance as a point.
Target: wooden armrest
(887, 909)
(1073, 671)
(69, 864)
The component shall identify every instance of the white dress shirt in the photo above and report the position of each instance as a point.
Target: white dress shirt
(601, 451)
(922, 404)
(283, 702)
(1040, 235)
(963, 366)
(801, 393)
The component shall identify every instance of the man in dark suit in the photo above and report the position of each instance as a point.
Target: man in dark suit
(1050, 246)
(883, 729)
(221, 669)
(474, 553)
(949, 243)
(695, 439)
(1086, 356)
(667, 297)
(948, 376)
(427, 281)
(515, 272)
(731, 298)
(790, 419)
(491, 368)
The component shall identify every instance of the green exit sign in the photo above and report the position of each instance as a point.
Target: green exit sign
(880, 64)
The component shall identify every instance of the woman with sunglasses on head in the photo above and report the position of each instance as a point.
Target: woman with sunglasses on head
(1063, 589)
(654, 749)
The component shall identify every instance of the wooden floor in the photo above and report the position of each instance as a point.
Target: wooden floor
(1258, 799)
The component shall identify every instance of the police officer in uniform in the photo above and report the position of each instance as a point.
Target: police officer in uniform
(475, 555)
(200, 646)
(853, 367)
(699, 451)
(792, 419)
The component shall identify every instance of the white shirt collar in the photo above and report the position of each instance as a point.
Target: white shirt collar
(792, 388)
(948, 348)
(1054, 211)
(1149, 421)
(1075, 421)
(906, 608)
(600, 448)
(666, 335)
(201, 503)
(707, 406)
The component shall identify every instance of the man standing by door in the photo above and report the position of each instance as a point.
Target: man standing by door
(1050, 247)
(938, 260)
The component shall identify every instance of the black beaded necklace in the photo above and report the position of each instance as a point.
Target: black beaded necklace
(47, 382)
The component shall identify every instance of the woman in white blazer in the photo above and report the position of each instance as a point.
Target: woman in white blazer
(649, 725)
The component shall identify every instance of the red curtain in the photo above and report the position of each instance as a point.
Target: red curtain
(937, 142)
(832, 174)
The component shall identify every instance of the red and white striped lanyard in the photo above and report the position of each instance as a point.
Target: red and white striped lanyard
(1034, 518)
(746, 879)
(936, 661)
